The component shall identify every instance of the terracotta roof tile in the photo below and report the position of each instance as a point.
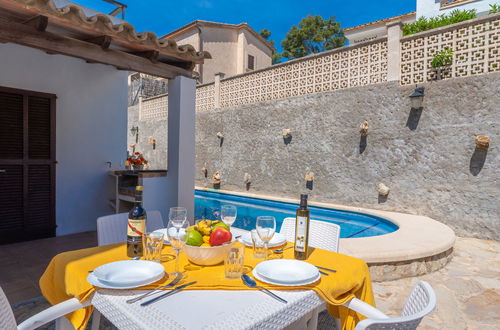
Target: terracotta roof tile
(73, 17)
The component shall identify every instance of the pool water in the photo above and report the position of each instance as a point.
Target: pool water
(352, 224)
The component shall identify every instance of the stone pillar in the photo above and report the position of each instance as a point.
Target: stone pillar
(218, 77)
(181, 144)
(394, 34)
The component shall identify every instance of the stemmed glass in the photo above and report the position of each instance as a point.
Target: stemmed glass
(177, 215)
(177, 236)
(228, 215)
(266, 226)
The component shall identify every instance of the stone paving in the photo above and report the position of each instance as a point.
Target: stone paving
(467, 289)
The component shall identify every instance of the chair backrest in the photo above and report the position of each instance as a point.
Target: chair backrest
(7, 319)
(322, 235)
(113, 228)
(420, 303)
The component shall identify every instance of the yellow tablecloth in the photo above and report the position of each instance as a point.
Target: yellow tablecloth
(65, 278)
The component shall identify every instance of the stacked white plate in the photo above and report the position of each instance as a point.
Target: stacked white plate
(277, 240)
(286, 272)
(126, 274)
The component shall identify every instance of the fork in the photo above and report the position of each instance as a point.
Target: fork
(147, 294)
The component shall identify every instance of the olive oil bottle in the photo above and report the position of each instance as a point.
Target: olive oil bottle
(136, 226)
(302, 230)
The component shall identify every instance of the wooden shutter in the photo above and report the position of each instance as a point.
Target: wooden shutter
(27, 167)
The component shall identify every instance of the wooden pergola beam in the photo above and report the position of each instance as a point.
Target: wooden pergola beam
(59, 44)
(151, 55)
(39, 22)
(103, 41)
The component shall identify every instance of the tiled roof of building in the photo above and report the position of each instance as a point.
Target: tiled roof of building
(74, 18)
(196, 23)
(385, 20)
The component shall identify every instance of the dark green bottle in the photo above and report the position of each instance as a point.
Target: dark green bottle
(136, 226)
(302, 230)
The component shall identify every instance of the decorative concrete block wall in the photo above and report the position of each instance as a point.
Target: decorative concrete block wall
(428, 158)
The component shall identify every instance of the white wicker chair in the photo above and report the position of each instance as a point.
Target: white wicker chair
(322, 235)
(8, 322)
(113, 228)
(421, 302)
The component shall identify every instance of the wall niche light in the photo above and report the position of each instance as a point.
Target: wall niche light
(417, 98)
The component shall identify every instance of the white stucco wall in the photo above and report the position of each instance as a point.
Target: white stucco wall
(91, 116)
(431, 8)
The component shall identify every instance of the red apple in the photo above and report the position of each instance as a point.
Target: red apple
(220, 236)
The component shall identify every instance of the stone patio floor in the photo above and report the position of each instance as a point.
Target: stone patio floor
(467, 289)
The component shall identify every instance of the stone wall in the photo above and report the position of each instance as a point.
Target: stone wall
(157, 128)
(427, 159)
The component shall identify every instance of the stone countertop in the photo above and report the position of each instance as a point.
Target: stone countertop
(140, 173)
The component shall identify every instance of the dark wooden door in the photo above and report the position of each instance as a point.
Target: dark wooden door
(27, 165)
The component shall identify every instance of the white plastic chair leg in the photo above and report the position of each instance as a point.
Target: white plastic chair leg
(63, 323)
(96, 319)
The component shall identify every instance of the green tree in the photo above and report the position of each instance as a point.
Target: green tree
(266, 34)
(313, 35)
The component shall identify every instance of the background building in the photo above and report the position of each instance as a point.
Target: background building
(425, 8)
(374, 30)
(433, 8)
(235, 49)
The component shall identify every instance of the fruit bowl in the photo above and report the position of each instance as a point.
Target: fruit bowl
(207, 255)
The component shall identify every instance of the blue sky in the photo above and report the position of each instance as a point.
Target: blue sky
(163, 16)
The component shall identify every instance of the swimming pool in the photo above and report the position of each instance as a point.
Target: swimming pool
(352, 224)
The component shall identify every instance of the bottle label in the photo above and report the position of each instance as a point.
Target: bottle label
(300, 232)
(136, 228)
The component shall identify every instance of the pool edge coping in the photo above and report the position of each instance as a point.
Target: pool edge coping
(417, 237)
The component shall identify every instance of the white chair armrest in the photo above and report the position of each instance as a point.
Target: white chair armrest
(365, 309)
(52, 313)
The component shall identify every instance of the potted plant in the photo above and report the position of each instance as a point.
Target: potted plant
(442, 61)
(136, 161)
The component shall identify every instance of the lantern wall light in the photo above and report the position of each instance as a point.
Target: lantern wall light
(417, 98)
(135, 132)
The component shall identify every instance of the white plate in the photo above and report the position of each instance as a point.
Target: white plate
(165, 236)
(277, 240)
(287, 271)
(95, 282)
(266, 280)
(128, 272)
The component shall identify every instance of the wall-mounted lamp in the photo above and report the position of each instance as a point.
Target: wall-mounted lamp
(152, 141)
(482, 142)
(363, 128)
(417, 98)
(135, 132)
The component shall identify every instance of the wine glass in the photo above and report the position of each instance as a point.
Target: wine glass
(228, 215)
(266, 226)
(177, 236)
(177, 215)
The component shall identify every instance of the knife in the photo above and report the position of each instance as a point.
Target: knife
(177, 289)
(157, 290)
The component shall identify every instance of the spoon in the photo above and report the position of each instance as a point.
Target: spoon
(252, 284)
